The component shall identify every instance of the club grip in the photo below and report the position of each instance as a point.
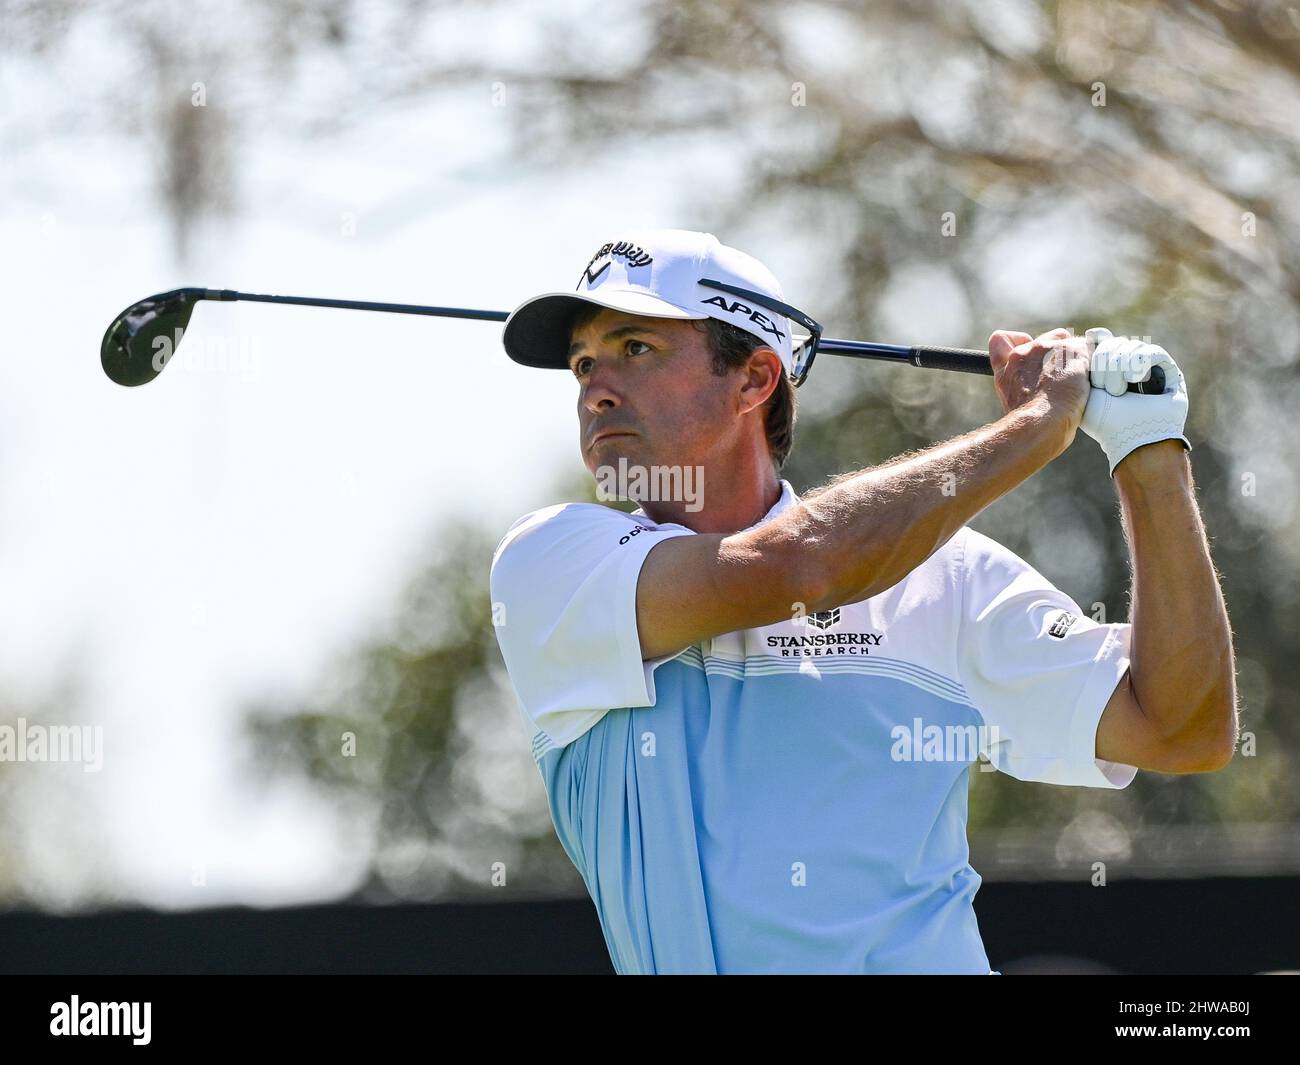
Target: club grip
(963, 360)
(969, 360)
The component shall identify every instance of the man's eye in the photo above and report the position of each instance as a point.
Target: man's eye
(583, 365)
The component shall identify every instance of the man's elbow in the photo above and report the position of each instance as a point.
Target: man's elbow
(1210, 762)
(1214, 747)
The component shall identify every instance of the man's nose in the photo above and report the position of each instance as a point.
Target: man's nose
(602, 389)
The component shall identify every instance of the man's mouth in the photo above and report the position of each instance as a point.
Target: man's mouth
(606, 434)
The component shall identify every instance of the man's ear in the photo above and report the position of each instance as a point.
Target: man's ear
(760, 379)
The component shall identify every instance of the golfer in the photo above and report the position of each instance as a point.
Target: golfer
(755, 714)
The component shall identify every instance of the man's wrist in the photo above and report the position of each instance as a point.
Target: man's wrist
(1045, 423)
(1163, 463)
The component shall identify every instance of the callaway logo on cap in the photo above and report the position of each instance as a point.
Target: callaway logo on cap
(660, 273)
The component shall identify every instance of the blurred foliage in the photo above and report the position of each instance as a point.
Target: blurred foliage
(1119, 162)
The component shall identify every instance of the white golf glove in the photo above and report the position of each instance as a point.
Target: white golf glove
(1122, 421)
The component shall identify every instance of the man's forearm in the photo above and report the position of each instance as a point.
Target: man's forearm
(1182, 667)
(868, 530)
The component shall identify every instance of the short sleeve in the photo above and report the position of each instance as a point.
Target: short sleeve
(563, 585)
(1037, 668)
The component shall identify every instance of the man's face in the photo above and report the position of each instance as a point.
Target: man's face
(647, 392)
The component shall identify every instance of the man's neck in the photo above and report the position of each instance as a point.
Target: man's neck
(727, 504)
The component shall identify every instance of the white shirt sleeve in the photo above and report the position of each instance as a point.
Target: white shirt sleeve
(1038, 669)
(563, 585)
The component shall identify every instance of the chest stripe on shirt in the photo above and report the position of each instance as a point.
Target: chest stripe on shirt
(765, 666)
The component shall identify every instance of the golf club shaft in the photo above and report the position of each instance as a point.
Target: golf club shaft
(226, 294)
(963, 360)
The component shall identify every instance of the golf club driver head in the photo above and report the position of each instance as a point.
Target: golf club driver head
(144, 337)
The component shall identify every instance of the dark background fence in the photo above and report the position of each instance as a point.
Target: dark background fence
(1232, 925)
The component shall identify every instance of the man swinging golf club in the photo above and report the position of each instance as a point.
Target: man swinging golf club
(755, 714)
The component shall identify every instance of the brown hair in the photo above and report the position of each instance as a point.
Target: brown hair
(731, 347)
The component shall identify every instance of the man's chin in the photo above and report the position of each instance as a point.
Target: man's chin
(612, 451)
(620, 472)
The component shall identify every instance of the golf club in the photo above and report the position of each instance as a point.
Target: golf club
(145, 336)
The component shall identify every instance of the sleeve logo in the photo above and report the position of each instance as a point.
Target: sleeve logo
(1062, 625)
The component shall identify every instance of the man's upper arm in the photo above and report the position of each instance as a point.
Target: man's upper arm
(1125, 734)
(693, 588)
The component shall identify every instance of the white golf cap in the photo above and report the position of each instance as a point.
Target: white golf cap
(656, 273)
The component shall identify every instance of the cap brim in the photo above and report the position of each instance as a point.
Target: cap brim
(537, 331)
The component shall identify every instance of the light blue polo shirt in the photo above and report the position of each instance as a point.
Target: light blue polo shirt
(792, 798)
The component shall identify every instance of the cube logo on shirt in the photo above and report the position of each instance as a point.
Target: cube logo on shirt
(824, 619)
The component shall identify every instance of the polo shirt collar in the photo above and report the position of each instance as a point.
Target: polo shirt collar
(788, 498)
